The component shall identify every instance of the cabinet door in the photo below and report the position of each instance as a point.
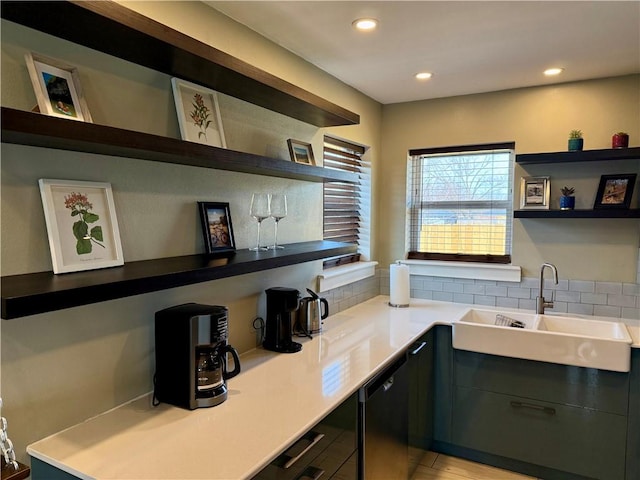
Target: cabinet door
(571, 439)
(585, 387)
(633, 439)
(443, 379)
(421, 395)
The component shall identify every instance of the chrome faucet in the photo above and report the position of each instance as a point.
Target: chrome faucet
(541, 303)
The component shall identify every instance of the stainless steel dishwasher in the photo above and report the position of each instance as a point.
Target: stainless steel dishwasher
(383, 424)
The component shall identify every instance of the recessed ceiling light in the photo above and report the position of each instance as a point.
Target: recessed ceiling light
(549, 72)
(423, 75)
(365, 24)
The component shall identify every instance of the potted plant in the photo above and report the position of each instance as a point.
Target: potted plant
(575, 140)
(620, 140)
(567, 200)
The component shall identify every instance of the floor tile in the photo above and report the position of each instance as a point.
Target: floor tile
(475, 471)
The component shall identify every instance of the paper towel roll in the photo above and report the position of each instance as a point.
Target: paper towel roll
(399, 285)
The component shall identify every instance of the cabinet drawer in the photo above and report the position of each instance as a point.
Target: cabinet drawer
(586, 387)
(572, 439)
(291, 464)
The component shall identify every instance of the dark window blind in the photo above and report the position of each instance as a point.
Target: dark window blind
(461, 203)
(343, 202)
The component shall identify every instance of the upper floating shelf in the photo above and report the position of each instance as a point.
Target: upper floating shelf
(603, 213)
(27, 128)
(116, 30)
(581, 156)
(34, 293)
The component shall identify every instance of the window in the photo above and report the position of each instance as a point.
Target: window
(346, 205)
(461, 203)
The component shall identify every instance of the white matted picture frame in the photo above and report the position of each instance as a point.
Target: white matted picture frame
(57, 88)
(301, 152)
(81, 224)
(534, 193)
(198, 113)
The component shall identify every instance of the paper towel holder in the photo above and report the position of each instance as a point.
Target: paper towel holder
(398, 305)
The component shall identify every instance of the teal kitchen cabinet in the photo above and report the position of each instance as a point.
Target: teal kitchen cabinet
(633, 431)
(542, 419)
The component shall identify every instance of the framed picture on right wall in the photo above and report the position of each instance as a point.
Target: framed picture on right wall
(615, 191)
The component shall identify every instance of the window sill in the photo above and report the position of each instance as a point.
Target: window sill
(477, 271)
(343, 275)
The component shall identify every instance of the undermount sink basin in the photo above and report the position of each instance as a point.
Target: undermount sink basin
(547, 338)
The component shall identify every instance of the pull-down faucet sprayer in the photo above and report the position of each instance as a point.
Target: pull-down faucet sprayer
(541, 303)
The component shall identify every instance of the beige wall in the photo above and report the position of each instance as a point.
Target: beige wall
(60, 368)
(538, 120)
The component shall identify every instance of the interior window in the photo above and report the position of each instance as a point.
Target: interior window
(461, 203)
(346, 205)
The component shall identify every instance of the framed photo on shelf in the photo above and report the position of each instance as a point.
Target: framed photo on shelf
(81, 225)
(198, 113)
(615, 191)
(301, 152)
(57, 88)
(534, 193)
(216, 227)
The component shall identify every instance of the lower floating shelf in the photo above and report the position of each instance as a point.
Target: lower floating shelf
(604, 213)
(34, 293)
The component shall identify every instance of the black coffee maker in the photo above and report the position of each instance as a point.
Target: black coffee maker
(191, 356)
(282, 304)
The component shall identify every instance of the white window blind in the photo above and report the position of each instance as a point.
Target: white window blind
(461, 203)
(346, 205)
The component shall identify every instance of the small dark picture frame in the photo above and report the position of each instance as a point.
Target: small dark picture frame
(301, 152)
(615, 191)
(216, 227)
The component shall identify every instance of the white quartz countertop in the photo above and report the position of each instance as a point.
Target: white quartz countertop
(276, 399)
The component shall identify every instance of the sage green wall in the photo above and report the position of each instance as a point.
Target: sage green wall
(62, 367)
(538, 120)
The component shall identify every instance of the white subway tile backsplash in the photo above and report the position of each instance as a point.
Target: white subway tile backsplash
(609, 287)
(580, 308)
(582, 286)
(517, 292)
(583, 297)
(594, 298)
(621, 300)
(607, 311)
(463, 298)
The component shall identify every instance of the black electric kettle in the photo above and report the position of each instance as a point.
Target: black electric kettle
(312, 311)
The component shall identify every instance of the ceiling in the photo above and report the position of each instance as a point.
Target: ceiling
(470, 47)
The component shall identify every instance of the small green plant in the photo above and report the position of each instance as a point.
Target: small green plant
(622, 133)
(575, 134)
(567, 191)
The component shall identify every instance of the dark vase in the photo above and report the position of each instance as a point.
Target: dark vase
(567, 203)
(575, 144)
(620, 140)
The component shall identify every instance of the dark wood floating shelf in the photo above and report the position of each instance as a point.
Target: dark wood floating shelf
(35, 293)
(35, 129)
(116, 30)
(581, 156)
(604, 213)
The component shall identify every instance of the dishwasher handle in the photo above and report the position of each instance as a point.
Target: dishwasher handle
(381, 382)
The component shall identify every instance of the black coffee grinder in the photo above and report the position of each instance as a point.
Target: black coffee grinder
(282, 304)
(191, 356)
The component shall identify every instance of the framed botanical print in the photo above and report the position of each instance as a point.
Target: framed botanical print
(81, 224)
(57, 88)
(198, 113)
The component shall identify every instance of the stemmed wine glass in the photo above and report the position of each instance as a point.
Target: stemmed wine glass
(260, 211)
(278, 212)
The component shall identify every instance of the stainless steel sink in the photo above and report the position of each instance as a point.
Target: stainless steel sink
(548, 338)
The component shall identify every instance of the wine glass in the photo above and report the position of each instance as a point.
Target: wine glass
(278, 212)
(259, 210)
